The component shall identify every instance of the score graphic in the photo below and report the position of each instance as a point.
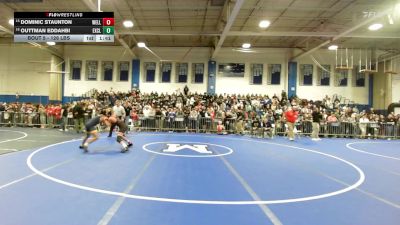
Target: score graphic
(108, 21)
(108, 25)
(64, 26)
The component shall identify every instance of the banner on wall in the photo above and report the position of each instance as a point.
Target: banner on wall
(231, 69)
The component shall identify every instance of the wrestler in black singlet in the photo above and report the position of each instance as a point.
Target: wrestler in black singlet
(92, 123)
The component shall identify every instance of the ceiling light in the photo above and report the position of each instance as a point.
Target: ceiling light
(11, 22)
(51, 43)
(128, 23)
(375, 26)
(333, 47)
(264, 23)
(246, 45)
(141, 44)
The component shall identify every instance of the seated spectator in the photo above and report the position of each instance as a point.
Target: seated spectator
(256, 127)
(333, 124)
(220, 128)
(267, 126)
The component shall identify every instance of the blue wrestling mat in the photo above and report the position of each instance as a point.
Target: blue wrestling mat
(193, 179)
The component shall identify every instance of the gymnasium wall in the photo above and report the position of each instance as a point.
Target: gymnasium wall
(184, 55)
(23, 70)
(326, 57)
(190, 55)
(395, 88)
(242, 85)
(97, 53)
(381, 89)
(239, 85)
(16, 65)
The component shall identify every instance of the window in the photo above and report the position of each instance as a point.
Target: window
(123, 71)
(306, 77)
(91, 70)
(358, 77)
(76, 66)
(181, 72)
(341, 78)
(108, 70)
(324, 75)
(198, 72)
(274, 75)
(166, 72)
(256, 73)
(150, 71)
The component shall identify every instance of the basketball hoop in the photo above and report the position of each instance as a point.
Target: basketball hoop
(390, 67)
(346, 61)
(368, 62)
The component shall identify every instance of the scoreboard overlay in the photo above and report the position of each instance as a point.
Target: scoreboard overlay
(64, 26)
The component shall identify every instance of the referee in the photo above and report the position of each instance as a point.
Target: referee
(119, 113)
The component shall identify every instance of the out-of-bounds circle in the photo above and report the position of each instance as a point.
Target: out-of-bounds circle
(14, 139)
(208, 202)
(370, 153)
(230, 151)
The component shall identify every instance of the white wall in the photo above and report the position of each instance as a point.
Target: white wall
(325, 57)
(18, 72)
(242, 85)
(382, 86)
(99, 53)
(394, 65)
(395, 88)
(184, 55)
(223, 84)
(15, 67)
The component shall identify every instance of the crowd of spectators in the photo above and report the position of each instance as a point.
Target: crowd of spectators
(252, 110)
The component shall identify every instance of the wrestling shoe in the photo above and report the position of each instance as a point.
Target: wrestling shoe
(124, 149)
(85, 147)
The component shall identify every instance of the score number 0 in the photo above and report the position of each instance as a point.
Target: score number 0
(108, 21)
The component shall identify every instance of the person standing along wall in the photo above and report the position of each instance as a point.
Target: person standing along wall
(316, 120)
(79, 114)
(186, 90)
(64, 113)
(119, 112)
(291, 117)
(127, 108)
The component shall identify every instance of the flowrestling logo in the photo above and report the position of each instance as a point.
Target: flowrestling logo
(187, 149)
